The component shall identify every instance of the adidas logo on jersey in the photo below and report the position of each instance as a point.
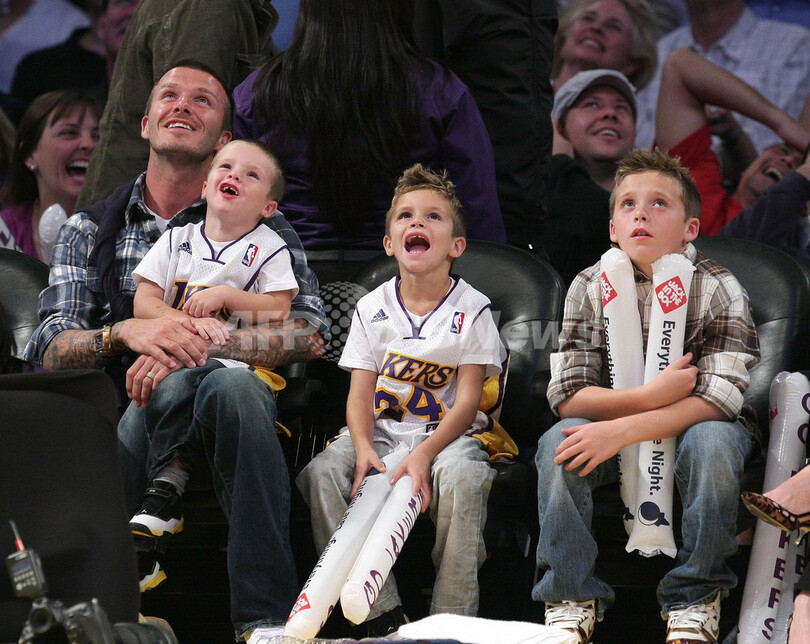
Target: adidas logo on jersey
(185, 247)
(379, 316)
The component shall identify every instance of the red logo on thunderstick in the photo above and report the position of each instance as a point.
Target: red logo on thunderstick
(671, 294)
(608, 292)
(301, 604)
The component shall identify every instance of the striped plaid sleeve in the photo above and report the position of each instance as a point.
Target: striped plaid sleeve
(728, 346)
(579, 362)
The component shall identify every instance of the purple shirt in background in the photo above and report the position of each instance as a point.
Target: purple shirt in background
(17, 220)
(451, 135)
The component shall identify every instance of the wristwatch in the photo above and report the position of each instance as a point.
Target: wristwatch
(102, 342)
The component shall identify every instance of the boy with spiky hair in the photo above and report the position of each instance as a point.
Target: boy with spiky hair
(419, 350)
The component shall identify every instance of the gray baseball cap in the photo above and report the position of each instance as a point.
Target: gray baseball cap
(573, 88)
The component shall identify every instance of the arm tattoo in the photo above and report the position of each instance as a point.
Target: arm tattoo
(272, 346)
(72, 349)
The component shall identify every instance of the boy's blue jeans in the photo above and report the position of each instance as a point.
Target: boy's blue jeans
(461, 478)
(226, 417)
(709, 461)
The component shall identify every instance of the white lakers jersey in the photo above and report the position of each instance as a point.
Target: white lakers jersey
(417, 359)
(184, 261)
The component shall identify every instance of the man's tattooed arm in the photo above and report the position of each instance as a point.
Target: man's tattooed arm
(272, 346)
(73, 349)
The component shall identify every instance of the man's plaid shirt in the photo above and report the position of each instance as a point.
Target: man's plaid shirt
(74, 298)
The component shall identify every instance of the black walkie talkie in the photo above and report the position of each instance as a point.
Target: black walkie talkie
(25, 570)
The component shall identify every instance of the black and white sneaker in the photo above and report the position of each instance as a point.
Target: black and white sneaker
(161, 513)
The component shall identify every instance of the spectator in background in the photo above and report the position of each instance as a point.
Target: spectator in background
(230, 37)
(778, 217)
(669, 14)
(29, 25)
(689, 83)
(86, 59)
(347, 110)
(56, 136)
(502, 50)
(595, 129)
(606, 34)
(772, 57)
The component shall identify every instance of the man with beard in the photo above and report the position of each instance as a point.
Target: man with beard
(87, 321)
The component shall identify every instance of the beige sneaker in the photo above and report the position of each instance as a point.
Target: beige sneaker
(695, 623)
(577, 617)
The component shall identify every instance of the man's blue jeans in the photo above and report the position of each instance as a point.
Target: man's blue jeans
(709, 461)
(222, 421)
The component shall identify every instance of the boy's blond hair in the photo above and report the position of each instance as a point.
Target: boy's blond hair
(277, 182)
(640, 160)
(418, 177)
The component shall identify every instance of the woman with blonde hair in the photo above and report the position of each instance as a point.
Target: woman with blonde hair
(606, 34)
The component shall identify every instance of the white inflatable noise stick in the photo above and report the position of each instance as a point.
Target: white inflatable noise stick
(320, 593)
(625, 346)
(49, 224)
(380, 551)
(776, 560)
(652, 530)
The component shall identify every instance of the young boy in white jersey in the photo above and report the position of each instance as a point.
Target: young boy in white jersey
(419, 350)
(226, 270)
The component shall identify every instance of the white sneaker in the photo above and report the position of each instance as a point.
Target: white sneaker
(695, 623)
(576, 617)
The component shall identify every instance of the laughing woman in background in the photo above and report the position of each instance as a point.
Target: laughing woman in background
(55, 138)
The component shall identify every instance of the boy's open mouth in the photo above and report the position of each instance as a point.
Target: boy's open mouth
(228, 189)
(416, 243)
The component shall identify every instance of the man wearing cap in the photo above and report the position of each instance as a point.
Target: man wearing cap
(594, 129)
(595, 115)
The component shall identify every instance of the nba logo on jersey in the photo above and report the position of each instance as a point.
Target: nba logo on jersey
(250, 255)
(458, 321)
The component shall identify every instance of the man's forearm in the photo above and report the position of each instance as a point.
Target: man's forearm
(73, 349)
(77, 349)
(272, 346)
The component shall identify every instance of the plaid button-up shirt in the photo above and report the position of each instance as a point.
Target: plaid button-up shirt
(74, 298)
(720, 333)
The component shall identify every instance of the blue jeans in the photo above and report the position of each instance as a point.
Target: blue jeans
(709, 461)
(222, 421)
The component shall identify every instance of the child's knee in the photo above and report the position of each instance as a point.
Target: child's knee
(463, 477)
(552, 437)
